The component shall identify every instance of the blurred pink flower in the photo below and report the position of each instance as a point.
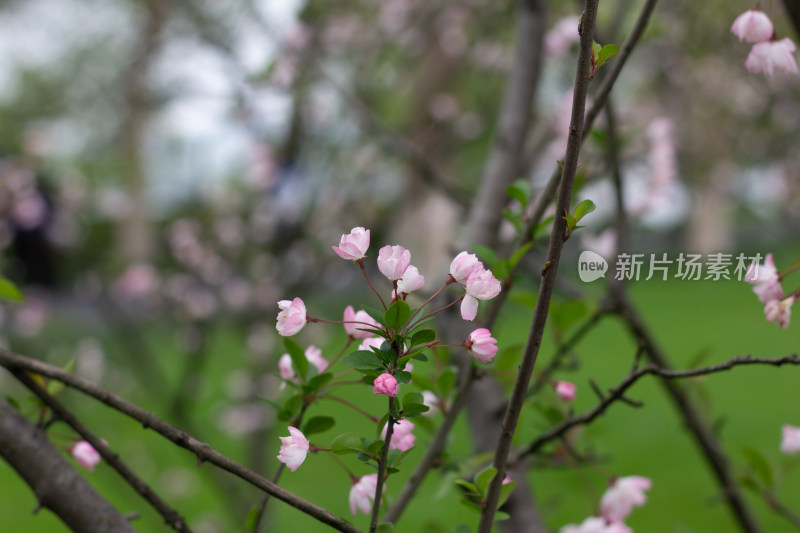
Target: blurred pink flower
(565, 390)
(753, 26)
(353, 320)
(779, 311)
(622, 496)
(292, 317)
(596, 524)
(385, 384)
(314, 356)
(561, 37)
(481, 285)
(411, 281)
(482, 345)
(371, 342)
(402, 438)
(790, 443)
(353, 245)
(294, 449)
(765, 279)
(362, 493)
(430, 399)
(463, 265)
(393, 261)
(85, 455)
(767, 57)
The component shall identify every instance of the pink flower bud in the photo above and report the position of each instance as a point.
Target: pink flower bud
(371, 342)
(463, 265)
(481, 345)
(286, 369)
(354, 245)
(753, 26)
(622, 496)
(779, 311)
(362, 494)
(294, 449)
(765, 279)
(481, 285)
(565, 390)
(402, 438)
(791, 439)
(411, 281)
(292, 317)
(393, 261)
(314, 356)
(385, 384)
(767, 57)
(85, 455)
(353, 320)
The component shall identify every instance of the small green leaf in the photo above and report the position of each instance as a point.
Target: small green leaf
(470, 504)
(363, 360)
(402, 376)
(414, 409)
(347, 443)
(606, 53)
(298, 356)
(583, 209)
(9, 291)
(376, 314)
(397, 315)
(319, 381)
(467, 485)
(318, 424)
(423, 337)
(759, 464)
(423, 382)
(412, 397)
(519, 254)
(596, 47)
(252, 516)
(485, 477)
(520, 191)
(385, 527)
(505, 492)
(446, 381)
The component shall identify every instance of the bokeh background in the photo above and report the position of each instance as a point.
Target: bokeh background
(170, 169)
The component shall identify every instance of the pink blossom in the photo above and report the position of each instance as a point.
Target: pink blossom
(622, 496)
(402, 438)
(767, 57)
(565, 390)
(362, 493)
(463, 265)
(85, 455)
(430, 399)
(292, 317)
(393, 261)
(779, 311)
(286, 369)
(596, 524)
(354, 245)
(411, 281)
(314, 356)
(353, 320)
(481, 285)
(765, 279)
(482, 345)
(791, 439)
(372, 342)
(294, 449)
(753, 26)
(564, 34)
(385, 384)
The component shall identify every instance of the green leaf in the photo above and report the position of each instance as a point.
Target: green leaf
(542, 226)
(347, 443)
(596, 47)
(414, 409)
(376, 314)
(385, 527)
(252, 516)
(9, 291)
(319, 381)
(606, 53)
(290, 407)
(14, 403)
(485, 254)
(318, 424)
(423, 337)
(520, 191)
(423, 382)
(298, 356)
(499, 516)
(514, 218)
(583, 209)
(485, 477)
(412, 397)
(505, 492)
(402, 376)
(397, 315)
(446, 381)
(363, 360)
(759, 464)
(470, 504)
(519, 254)
(501, 269)
(467, 485)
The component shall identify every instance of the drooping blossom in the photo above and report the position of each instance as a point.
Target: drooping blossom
(481, 285)
(393, 261)
(463, 265)
(371, 342)
(770, 56)
(292, 317)
(481, 345)
(779, 311)
(294, 449)
(314, 356)
(385, 384)
(565, 390)
(362, 493)
(596, 524)
(286, 369)
(753, 26)
(402, 438)
(790, 443)
(622, 496)
(411, 281)
(85, 454)
(353, 320)
(765, 279)
(354, 245)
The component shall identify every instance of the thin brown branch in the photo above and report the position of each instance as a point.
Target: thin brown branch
(202, 451)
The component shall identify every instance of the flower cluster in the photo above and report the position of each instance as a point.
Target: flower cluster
(616, 505)
(766, 282)
(768, 54)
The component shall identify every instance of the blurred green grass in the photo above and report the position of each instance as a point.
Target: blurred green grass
(719, 320)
